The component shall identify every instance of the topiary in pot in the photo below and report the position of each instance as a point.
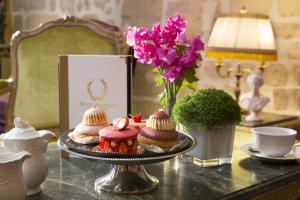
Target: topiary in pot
(207, 108)
(210, 116)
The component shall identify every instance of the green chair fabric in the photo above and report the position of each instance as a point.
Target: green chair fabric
(37, 99)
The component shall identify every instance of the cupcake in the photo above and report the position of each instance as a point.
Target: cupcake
(119, 138)
(87, 132)
(159, 131)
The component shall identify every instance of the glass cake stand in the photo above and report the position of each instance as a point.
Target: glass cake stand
(127, 174)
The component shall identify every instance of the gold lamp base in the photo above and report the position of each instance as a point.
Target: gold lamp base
(238, 74)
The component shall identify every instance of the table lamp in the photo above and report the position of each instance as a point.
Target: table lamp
(241, 36)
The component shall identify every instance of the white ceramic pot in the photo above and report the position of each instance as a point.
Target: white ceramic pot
(214, 146)
(25, 138)
(12, 184)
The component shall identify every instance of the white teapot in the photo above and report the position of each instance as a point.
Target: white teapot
(12, 184)
(25, 138)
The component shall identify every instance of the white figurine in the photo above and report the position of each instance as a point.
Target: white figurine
(253, 101)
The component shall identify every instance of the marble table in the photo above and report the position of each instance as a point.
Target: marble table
(180, 178)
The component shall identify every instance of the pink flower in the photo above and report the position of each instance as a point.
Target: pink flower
(174, 26)
(172, 72)
(196, 43)
(167, 48)
(131, 36)
(168, 56)
(189, 58)
(181, 38)
(154, 33)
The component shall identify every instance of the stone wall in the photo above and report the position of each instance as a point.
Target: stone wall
(282, 78)
(28, 14)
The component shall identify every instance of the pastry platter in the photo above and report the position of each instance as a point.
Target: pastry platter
(127, 175)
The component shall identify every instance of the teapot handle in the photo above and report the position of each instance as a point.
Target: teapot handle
(47, 135)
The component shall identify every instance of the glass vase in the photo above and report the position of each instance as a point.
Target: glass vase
(170, 97)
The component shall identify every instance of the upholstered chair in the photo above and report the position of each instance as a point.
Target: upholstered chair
(33, 85)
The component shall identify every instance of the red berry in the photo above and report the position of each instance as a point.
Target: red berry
(137, 118)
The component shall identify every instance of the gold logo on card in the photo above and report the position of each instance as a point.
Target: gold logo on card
(92, 93)
(97, 90)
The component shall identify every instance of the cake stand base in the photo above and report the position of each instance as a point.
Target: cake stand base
(126, 179)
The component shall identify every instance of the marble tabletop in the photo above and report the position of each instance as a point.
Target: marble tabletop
(180, 178)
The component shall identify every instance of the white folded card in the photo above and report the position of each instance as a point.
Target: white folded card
(92, 80)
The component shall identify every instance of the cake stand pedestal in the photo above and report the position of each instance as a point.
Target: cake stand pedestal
(127, 179)
(127, 174)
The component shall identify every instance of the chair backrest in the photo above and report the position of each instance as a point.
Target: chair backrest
(34, 58)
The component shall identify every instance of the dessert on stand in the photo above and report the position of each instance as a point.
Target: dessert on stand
(127, 174)
(159, 131)
(119, 138)
(87, 132)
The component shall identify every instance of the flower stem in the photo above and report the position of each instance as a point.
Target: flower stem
(172, 88)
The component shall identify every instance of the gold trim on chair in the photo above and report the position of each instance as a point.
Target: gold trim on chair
(97, 28)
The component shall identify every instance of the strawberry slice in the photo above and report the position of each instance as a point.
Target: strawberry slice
(123, 148)
(129, 142)
(106, 146)
(113, 144)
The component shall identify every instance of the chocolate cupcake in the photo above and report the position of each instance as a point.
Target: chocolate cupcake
(159, 131)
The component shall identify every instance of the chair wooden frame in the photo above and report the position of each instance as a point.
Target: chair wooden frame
(101, 29)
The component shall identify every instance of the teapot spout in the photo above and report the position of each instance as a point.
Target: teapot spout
(46, 135)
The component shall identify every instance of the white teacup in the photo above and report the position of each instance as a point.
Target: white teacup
(274, 141)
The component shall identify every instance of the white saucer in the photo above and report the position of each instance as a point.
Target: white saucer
(291, 156)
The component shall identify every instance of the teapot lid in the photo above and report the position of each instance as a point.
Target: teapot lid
(22, 131)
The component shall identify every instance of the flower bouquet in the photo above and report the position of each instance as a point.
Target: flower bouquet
(173, 55)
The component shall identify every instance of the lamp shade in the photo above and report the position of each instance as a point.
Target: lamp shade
(242, 36)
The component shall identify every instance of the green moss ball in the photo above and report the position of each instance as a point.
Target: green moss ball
(207, 108)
